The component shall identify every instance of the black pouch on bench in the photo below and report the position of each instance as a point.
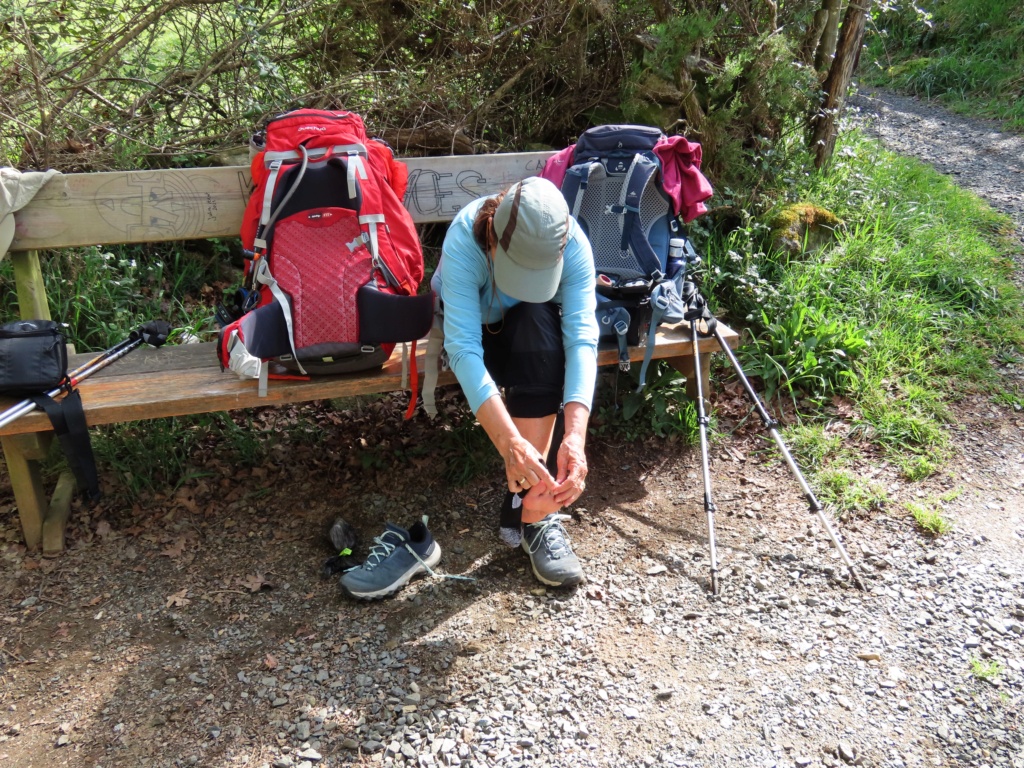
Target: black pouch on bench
(33, 357)
(33, 363)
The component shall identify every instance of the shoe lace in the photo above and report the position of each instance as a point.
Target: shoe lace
(551, 535)
(382, 548)
(387, 542)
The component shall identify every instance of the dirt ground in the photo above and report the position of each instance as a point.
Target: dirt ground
(134, 647)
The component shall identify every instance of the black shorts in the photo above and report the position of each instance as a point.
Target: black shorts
(525, 356)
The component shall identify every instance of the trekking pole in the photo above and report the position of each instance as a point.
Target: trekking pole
(698, 305)
(154, 333)
(705, 462)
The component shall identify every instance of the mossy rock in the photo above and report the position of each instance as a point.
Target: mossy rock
(802, 228)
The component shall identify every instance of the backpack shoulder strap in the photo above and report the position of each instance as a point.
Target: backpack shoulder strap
(642, 171)
(574, 185)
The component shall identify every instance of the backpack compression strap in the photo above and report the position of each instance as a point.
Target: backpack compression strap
(264, 277)
(432, 361)
(68, 420)
(617, 318)
(661, 298)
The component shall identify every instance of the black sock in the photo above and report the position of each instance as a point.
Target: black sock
(511, 521)
(510, 524)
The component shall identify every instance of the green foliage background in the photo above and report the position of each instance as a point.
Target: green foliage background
(120, 84)
(969, 53)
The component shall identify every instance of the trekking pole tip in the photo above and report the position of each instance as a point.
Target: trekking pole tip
(856, 580)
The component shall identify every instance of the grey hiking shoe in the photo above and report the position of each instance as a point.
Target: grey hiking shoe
(396, 556)
(554, 563)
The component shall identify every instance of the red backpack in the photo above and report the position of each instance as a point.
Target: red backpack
(335, 260)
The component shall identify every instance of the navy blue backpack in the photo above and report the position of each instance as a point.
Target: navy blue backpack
(613, 189)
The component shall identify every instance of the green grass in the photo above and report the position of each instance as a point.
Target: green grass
(986, 670)
(847, 493)
(904, 314)
(969, 54)
(928, 518)
(813, 446)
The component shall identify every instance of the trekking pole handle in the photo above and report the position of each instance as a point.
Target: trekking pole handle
(153, 332)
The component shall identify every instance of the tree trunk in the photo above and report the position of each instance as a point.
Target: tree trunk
(827, 46)
(813, 36)
(695, 116)
(823, 139)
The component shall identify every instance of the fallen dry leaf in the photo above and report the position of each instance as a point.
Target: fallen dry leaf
(254, 582)
(844, 407)
(176, 550)
(178, 599)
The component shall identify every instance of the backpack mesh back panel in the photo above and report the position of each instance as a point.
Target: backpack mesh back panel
(604, 229)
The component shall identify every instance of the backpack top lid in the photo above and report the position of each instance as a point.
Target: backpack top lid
(604, 140)
(313, 128)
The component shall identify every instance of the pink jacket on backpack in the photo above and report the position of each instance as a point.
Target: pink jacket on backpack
(681, 178)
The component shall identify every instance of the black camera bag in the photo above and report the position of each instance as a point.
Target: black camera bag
(34, 363)
(33, 357)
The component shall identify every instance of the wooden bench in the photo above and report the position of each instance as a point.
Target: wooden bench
(183, 204)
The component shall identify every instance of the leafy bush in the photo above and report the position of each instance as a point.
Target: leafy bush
(101, 295)
(661, 408)
(806, 350)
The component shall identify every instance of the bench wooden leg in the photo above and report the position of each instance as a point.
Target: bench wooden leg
(42, 521)
(24, 454)
(685, 366)
(57, 513)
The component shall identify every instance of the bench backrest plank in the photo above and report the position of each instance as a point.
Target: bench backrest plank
(195, 203)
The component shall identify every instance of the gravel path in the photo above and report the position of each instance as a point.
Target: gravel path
(976, 153)
(202, 636)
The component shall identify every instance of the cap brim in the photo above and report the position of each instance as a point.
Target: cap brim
(532, 285)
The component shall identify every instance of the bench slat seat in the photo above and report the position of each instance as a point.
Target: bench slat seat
(180, 380)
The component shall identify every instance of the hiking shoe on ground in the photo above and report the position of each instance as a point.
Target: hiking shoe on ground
(395, 557)
(554, 563)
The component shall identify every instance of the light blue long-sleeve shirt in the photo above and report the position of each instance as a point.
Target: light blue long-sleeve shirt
(470, 300)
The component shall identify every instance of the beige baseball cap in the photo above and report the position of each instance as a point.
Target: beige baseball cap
(532, 224)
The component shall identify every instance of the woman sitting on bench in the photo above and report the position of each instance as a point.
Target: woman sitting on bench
(516, 282)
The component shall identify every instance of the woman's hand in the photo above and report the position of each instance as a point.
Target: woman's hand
(524, 467)
(572, 470)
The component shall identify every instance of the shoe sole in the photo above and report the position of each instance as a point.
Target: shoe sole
(402, 580)
(572, 581)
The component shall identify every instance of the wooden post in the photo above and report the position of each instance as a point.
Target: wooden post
(28, 276)
(685, 366)
(23, 454)
(57, 514)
